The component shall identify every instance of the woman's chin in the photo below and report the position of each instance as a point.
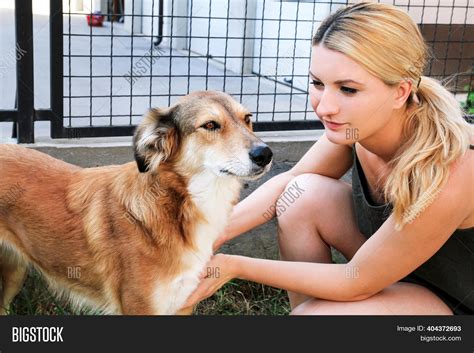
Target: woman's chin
(338, 137)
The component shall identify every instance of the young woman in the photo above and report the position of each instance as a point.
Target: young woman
(406, 225)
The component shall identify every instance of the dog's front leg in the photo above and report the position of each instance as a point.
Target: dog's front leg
(13, 272)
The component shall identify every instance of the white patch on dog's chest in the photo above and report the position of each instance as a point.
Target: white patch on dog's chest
(213, 196)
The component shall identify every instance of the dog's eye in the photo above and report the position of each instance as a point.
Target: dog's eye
(211, 125)
(247, 119)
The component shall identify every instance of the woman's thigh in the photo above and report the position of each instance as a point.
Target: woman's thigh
(398, 299)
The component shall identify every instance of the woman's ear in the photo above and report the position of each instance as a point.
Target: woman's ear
(156, 139)
(402, 93)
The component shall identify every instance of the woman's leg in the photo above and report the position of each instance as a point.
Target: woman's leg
(398, 299)
(316, 217)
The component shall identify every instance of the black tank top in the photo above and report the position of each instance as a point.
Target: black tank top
(450, 271)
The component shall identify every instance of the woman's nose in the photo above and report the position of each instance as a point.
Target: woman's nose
(327, 105)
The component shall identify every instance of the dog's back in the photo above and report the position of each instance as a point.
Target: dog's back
(15, 156)
(28, 178)
(37, 224)
(60, 218)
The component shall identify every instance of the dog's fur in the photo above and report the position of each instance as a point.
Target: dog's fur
(137, 239)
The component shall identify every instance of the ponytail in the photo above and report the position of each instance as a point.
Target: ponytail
(436, 136)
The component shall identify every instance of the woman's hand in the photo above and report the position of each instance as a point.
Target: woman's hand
(217, 272)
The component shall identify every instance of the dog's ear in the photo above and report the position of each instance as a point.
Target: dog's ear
(156, 139)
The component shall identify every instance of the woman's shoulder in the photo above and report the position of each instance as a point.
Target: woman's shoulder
(468, 157)
(463, 169)
(465, 163)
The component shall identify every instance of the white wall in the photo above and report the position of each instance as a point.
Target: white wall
(289, 57)
(133, 7)
(236, 29)
(150, 7)
(84, 5)
(180, 25)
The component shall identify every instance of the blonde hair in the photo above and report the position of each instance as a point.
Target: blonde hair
(388, 44)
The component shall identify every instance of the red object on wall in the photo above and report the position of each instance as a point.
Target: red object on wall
(96, 19)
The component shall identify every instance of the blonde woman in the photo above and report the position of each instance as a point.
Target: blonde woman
(406, 225)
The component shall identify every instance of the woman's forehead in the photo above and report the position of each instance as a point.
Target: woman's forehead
(327, 58)
(334, 66)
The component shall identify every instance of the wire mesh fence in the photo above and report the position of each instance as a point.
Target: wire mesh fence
(111, 60)
(256, 50)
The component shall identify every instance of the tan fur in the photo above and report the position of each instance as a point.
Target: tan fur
(124, 231)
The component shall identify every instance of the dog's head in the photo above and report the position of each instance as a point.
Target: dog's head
(204, 130)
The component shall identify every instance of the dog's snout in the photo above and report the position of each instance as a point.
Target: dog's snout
(261, 155)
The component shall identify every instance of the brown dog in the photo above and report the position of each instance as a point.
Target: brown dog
(123, 239)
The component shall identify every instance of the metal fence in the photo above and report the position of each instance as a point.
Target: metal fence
(150, 52)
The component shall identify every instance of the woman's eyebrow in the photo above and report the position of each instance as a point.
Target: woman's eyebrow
(349, 80)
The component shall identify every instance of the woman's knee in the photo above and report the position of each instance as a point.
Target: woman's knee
(306, 194)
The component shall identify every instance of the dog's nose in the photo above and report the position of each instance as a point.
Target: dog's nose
(261, 155)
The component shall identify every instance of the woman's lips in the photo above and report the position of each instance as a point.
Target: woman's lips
(333, 126)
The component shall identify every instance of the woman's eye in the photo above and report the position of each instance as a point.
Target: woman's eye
(211, 125)
(316, 83)
(348, 90)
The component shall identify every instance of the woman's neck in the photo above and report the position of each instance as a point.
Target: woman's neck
(386, 142)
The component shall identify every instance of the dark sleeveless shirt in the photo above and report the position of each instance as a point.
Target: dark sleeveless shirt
(449, 273)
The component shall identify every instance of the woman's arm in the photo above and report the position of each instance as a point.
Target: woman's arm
(321, 280)
(258, 207)
(385, 258)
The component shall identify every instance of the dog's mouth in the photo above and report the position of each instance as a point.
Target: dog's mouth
(227, 172)
(254, 173)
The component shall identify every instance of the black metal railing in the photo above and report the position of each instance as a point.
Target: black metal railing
(152, 52)
(23, 114)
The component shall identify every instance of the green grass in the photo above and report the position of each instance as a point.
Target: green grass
(237, 297)
(36, 299)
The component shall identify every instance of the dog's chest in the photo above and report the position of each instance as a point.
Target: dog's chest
(213, 197)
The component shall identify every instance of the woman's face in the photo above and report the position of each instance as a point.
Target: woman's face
(343, 92)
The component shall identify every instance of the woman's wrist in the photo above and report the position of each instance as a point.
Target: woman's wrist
(229, 231)
(234, 265)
